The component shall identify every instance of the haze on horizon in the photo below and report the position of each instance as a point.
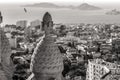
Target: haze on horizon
(12, 11)
(100, 3)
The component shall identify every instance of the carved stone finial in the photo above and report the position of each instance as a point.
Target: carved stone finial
(47, 61)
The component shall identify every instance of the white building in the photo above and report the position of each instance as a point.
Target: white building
(13, 42)
(35, 23)
(99, 69)
(22, 23)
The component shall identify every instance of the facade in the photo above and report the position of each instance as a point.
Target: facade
(85, 35)
(47, 61)
(22, 23)
(106, 47)
(99, 69)
(28, 34)
(116, 45)
(35, 23)
(13, 42)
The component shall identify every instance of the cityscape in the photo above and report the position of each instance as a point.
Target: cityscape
(44, 49)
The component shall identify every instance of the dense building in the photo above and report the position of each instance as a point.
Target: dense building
(22, 23)
(9, 28)
(116, 45)
(99, 69)
(47, 61)
(106, 47)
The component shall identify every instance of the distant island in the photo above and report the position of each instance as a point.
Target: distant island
(113, 12)
(43, 5)
(86, 6)
(83, 6)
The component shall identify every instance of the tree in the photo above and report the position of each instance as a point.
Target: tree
(20, 28)
(62, 50)
(62, 30)
(67, 65)
(14, 33)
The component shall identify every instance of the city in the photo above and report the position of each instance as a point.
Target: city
(44, 50)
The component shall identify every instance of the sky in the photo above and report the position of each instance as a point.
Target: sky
(99, 3)
(80, 1)
(8, 10)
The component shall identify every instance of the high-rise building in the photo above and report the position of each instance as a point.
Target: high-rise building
(28, 34)
(99, 69)
(116, 45)
(35, 23)
(47, 61)
(22, 23)
(13, 42)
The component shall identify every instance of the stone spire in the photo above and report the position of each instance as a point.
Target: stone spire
(0, 18)
(47, 17)
(5, 60)
(6, 66)
(47, 24)
(47, 61)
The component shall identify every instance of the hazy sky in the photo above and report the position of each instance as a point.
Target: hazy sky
(80, 1)
(99, 3)
(12, 13)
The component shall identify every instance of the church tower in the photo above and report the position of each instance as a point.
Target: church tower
(47, 61)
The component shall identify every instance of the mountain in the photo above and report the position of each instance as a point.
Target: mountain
(48, 5)
(43, 5)
(86, 6)
(83, 6)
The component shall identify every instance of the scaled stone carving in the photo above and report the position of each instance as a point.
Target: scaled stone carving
(6, 67)
(47, 61)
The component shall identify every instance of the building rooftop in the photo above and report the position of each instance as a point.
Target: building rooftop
(105, 63)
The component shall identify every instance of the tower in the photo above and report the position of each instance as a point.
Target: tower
(47, 61)
(0, 18)
(47, 24)
(6, 68)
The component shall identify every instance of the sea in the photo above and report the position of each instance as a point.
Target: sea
(11, 14)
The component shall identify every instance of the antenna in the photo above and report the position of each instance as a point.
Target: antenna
(25, 10)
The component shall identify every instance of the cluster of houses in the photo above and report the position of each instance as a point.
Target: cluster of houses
(77, 42)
